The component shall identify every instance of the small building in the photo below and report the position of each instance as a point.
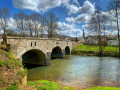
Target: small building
(92, 40)
(113, 40)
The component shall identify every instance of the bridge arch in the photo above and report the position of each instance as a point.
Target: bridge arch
(56, 52)
(67, 50)
(34, 57)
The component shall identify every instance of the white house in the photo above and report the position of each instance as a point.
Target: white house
(91, 40)
(113, 40)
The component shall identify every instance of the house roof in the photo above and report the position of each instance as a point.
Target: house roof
(113, 37)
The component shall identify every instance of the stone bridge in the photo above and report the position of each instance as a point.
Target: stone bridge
(38, 51)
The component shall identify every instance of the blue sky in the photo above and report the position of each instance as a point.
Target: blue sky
(72, 14)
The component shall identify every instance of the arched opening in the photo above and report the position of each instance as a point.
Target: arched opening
(67, 51)
(33, 58)
(56, 53)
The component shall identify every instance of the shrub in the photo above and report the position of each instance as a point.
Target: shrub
(20, 73)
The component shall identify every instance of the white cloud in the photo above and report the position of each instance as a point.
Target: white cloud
(73, 9)
(37, 5)
(26, 4)
(87, 8)
(69, 29)
(11, 24)
(41, 5)
(82, 18)
(79, 19)
(83, 12)
(70, 19)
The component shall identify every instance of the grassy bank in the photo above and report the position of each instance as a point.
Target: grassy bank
(48, 85)
(103, 88)
(11, 70)
(91, 50)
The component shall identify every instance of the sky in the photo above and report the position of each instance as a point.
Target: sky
(72, 14)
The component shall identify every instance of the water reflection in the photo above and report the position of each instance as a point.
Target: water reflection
(80, 71)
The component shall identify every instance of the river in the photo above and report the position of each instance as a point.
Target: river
(80, 71)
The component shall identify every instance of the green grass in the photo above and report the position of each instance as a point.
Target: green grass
(13, 88)
(47, 85)
(20, 73)
(103, 88)
(94, 50)
(2, 80)
(12, 62)
(9, 61)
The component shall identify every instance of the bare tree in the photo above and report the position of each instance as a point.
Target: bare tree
(42, 26)
(111, 20)
(52, 25)
(96, 25)
(17, 21)
(4, 16)
(20, 20)
(29, 25)
(10, 32)
(115, 5)
(36, 21)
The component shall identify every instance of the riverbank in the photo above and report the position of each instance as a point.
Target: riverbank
(92, 50)
(49, 85)
(12, 73)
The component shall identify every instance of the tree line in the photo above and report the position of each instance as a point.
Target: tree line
(33, 25)
(102, 24)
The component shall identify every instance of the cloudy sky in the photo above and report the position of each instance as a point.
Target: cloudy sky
(72, 14)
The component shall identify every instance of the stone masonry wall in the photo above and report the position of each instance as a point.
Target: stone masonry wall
(20, 45)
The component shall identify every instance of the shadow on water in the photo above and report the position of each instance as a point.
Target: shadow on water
(30, 66)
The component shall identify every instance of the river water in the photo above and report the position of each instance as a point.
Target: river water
(80, 71)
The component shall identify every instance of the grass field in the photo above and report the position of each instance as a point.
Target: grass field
(94, 50)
